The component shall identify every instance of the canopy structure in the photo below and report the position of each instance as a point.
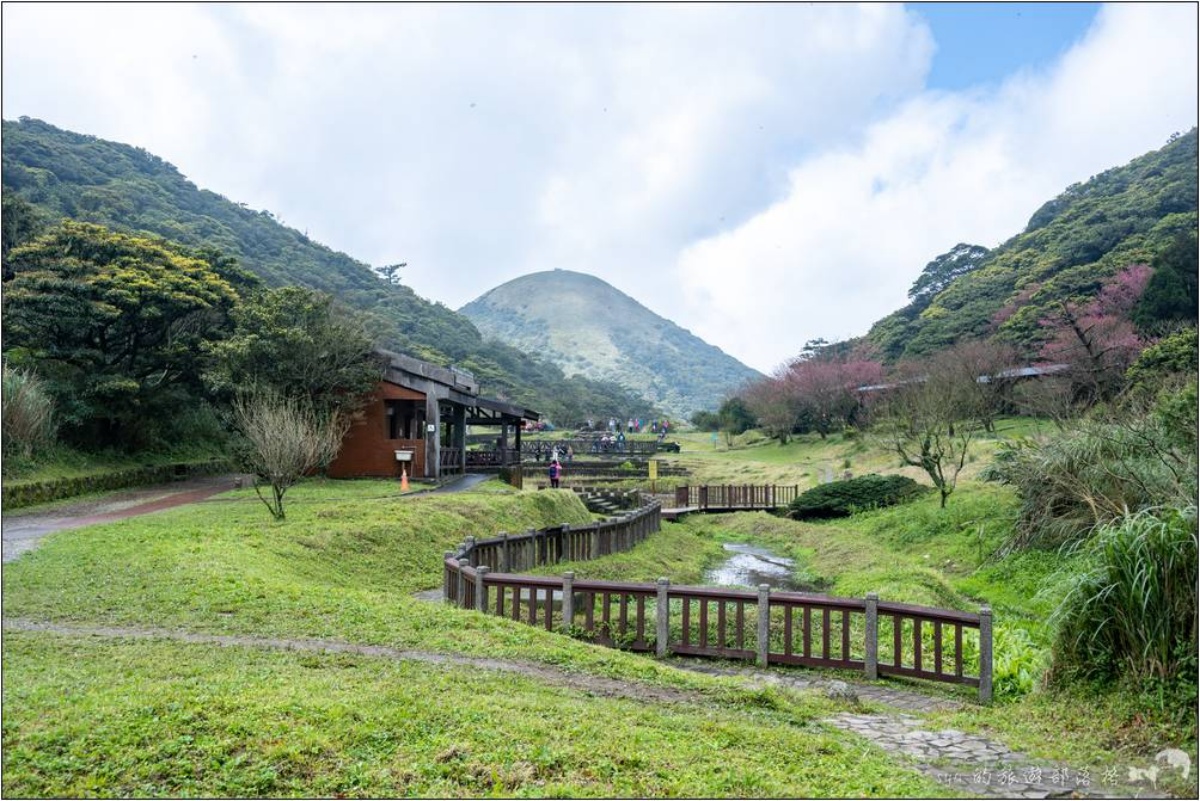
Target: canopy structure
(416, 421)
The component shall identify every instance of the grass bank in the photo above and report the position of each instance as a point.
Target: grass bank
(95, 716)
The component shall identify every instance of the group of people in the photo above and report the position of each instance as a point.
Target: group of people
(555, 453)
(606, 443)
(634, 425)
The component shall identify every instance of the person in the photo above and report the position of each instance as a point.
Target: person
(555, 473)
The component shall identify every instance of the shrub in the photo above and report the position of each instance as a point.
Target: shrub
(1131, 611)
(842, 498)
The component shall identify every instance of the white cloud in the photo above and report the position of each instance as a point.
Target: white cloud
(761, 174)
(840, 250)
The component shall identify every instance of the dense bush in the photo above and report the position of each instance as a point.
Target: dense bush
(842, 498)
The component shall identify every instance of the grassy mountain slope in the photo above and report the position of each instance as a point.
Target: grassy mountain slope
(1070, 246)
(65, 174)
(589, 328)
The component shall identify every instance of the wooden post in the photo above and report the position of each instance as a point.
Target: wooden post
(662, 619)
(446, 556)
(568, 601)
(480, 589)
(504, 555)
(985, 655)
(462, 583)
(764, 624)
(871, 662)
(470, 546)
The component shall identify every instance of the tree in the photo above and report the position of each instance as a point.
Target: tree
(774, 405)
(287, 437)
(1171, 293)
(1097, 339)
(20, 222)
(115, 325)
(824, 389)
(391, 272)
(297, 342)
(977, 366)
(937, 275)
(734, 417)
(927, 420)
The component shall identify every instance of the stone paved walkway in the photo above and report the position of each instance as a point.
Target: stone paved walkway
(974, 765)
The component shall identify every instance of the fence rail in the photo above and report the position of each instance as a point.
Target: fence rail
(770, 627)
(734, 496)
(630, 447)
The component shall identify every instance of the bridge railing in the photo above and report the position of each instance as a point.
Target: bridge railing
(768, 627)
(734, 496)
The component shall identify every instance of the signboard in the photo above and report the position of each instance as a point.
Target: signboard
(653, 469)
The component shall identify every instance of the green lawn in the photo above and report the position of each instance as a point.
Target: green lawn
(87, 716)
(99, 716)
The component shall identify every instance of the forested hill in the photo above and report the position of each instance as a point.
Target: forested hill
(1071, 245)
(71, 175)
(590, 328)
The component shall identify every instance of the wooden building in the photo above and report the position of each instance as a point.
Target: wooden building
(416, 419)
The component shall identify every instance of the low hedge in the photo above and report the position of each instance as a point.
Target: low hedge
(15, 496)
(843, 498)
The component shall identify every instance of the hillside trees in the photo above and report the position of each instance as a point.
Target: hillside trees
(296, 342)
(115, 325)
(1171, 293)
(65, 174)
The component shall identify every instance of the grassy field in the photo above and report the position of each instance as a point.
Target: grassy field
(150, 716)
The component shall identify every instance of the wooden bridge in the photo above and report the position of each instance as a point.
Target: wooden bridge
(878, 637)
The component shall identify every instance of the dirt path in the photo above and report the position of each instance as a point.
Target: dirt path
(597, 685)
(22, 530)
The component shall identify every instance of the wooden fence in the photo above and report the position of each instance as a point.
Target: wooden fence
(770, 627)
(729, 497)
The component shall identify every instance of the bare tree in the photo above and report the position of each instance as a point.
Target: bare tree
(927, 418)
(287, 438)
(978, 366)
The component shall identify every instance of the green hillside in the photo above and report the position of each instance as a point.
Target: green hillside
(587, 327)
(1071, 245)
(70, 175)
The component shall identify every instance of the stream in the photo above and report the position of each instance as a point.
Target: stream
(749, 566)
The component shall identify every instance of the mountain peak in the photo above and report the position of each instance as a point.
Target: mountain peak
(588, 327)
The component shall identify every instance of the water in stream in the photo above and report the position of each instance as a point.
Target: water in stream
(749, 566)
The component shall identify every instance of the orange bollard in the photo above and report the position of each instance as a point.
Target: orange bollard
(403, 479)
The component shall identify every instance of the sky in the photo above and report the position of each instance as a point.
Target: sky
(762, 175)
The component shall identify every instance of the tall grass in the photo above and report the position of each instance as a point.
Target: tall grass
(1131, 610)
(26, 413)
(1091, 476)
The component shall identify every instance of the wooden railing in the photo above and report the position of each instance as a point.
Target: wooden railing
(739, 497)
(592, 447)
(790, 628)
